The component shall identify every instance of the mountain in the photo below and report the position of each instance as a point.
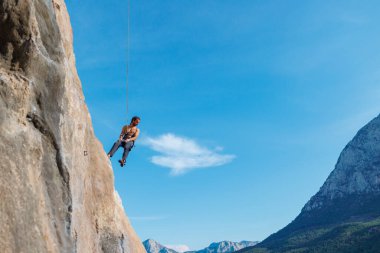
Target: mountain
(152, 246)
(226, 247)
(344, 216)
(56, 183)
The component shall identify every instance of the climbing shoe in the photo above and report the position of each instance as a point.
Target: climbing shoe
(122, 163)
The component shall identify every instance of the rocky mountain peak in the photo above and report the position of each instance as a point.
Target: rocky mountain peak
(152, 246)
(344, 216)
(357, 170)
(226, 246)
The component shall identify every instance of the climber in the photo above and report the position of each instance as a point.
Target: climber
(127, 138)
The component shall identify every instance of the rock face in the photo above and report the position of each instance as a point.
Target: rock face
(352, 191)
(56, 183)
(344, 216)
(357, 170)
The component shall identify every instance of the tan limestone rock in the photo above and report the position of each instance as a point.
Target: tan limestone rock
(53, 197)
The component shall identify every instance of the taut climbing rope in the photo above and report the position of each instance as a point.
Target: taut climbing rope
(127, 67)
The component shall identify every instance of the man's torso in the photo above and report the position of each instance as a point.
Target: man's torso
(129, 131)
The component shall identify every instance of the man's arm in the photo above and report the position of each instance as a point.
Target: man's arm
(123, 131)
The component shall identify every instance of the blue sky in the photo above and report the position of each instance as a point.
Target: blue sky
(244, 105)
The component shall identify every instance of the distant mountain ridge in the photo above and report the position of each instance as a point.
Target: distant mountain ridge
(344, 216)
(225, 247)
(152, 246)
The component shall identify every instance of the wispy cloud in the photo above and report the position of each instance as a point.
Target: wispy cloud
(182, 154)
(178, 248)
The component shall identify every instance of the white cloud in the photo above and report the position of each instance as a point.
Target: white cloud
(178, 248)
(181, 154)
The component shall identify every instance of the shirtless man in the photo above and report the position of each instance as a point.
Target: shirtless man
(127, 138)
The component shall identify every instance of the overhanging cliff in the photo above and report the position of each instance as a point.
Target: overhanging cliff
(56, 183)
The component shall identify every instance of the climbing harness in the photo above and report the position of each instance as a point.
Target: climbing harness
(128, 135)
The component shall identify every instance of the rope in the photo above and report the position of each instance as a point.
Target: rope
(127, 68)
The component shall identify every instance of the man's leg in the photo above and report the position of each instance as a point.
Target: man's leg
(115, 146)
(127, 146)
